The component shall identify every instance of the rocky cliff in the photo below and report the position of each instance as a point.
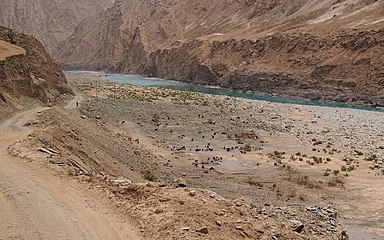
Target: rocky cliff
(50, 21)
(27, 72)
(323, 50)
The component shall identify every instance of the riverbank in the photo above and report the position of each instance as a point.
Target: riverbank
(216, 90)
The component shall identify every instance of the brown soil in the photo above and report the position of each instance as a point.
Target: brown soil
(8, 50)
(147, 163)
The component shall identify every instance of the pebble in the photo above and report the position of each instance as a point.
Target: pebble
(240, 228)
(203, 230)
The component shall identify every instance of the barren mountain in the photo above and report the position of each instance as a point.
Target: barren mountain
(325, 50)
(49, 21)
(27, 72)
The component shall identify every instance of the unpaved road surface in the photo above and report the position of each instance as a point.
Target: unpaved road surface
(36, 204)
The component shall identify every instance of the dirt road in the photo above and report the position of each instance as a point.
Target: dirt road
(35, 204)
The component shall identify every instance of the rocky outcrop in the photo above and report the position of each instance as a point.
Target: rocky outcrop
(323, 51)
(50, 21)
(28, 72)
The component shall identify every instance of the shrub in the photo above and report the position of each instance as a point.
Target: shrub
(291, 193)
(351, 168)
(246, 148)
(373, 157)
(148, 175)
(317, 160)
(335, 181)
(359, 153)
(303, 197)
(279, 192)
(306, 181)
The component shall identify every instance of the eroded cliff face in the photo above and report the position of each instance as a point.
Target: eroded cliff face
(27, 72)
(323, 50)
(50, 21)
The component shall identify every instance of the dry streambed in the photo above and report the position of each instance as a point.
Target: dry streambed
(308, 165)
(268, 152)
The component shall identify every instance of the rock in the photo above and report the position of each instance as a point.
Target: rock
(30, 123)
(45, 150)
(158, 211)
(218, 223)
(240, 228)
(185, 229)
(181, 182)
(297, 226)
(203, 230)
(220, 213)
(57, 161)
(150, 184)
(120, 181)
(192, 193)
(312, 209)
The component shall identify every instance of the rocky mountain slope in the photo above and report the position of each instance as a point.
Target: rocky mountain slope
(49, 21)
(27, 72)
(324, 50)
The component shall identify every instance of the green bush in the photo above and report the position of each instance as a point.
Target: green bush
(148, 175)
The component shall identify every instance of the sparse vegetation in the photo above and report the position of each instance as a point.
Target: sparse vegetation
(148, 175)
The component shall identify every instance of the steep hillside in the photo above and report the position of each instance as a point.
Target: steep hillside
(323, 50)
(27, 73)
(49, 21)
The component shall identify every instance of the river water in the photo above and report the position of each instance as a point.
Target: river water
(155, 82)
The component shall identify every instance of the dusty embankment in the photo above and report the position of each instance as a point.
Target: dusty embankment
(38, 204)
(28, 75)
